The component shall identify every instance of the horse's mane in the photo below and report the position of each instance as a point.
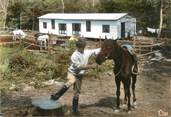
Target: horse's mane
(120, 54)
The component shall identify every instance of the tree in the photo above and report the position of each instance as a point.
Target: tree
(161, 19)
(15, 11)
(3, 11)
(63, 6)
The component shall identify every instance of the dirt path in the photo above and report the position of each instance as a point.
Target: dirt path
(153, 91)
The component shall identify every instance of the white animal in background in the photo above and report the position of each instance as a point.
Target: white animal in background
(43, 40)
(140, 32)
(18, 34)
(152, 30)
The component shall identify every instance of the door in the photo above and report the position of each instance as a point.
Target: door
(122, 29)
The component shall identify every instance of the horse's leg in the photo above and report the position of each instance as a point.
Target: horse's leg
(128, 83)
(125, 94)
(118, 83)
(134, 79)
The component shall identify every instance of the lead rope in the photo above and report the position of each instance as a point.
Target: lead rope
(97, 71)
(135, 73)
(119, 70)
(118, 73)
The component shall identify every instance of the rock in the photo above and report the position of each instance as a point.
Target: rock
(110, 73)
(167, 60)
(13, 87)
(25, 87)
(157, 57)
(28, 88)
(44, 106)
(32, 83)
(46, 103)
(51, 82)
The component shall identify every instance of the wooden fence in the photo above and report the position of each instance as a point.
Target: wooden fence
(145, 46)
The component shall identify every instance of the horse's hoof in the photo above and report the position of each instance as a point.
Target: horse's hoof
(135, 105)
(116, 110)
(129, 111)
(124, 105)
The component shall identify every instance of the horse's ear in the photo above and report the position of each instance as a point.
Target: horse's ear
(105, 37)
(115, 41)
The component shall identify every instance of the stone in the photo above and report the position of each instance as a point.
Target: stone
(44, 106)
(46, 103)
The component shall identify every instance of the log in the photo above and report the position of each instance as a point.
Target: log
(9, 44)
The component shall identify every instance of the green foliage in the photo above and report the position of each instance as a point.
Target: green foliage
(18, 65)
(25, 13)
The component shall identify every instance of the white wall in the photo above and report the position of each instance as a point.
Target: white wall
(130, 26)
(96, 28)
(41, 29)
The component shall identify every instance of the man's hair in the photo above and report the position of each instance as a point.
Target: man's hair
(81, 43)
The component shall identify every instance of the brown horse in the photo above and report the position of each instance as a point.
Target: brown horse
(124, 69)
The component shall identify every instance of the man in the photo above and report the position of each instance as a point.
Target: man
(79, 63)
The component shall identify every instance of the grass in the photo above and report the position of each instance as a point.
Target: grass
(17, 65)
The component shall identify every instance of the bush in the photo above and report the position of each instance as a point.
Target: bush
(18, 62)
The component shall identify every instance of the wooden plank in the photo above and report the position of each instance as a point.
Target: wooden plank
(43, 51)
(143, 50)
(28, 46)
(141, 55)
(157, 44)
(33, 44)
(8, 43)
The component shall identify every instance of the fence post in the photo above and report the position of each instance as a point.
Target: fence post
(0, 103)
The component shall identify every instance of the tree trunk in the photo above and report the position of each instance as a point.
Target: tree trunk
(33, 25)
(93, 4)
(3, 11)
(161, 18)
(63, 6)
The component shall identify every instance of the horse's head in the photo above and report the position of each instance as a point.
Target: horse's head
(106, 50)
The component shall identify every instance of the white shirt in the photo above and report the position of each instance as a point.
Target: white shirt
(81, 59)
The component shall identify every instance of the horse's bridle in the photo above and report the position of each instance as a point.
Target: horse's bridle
(109, 54)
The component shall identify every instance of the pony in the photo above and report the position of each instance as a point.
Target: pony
(125, 69)
(43, 40)
(18, 34)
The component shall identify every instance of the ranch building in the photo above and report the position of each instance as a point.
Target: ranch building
(89, 25)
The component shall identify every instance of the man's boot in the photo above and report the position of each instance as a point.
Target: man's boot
(59, 93)
(75, 106)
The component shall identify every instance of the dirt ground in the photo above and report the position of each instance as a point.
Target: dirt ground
(98, 97)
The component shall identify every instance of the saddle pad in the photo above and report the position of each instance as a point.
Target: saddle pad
(128, 47)
(45, 103)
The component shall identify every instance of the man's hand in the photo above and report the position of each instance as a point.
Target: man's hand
(92, 66)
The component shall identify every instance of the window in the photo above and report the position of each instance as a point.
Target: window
(62, 28)
(88, 26)
(53, 23)
(76, 28)
(106, 28)
(44, 25)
